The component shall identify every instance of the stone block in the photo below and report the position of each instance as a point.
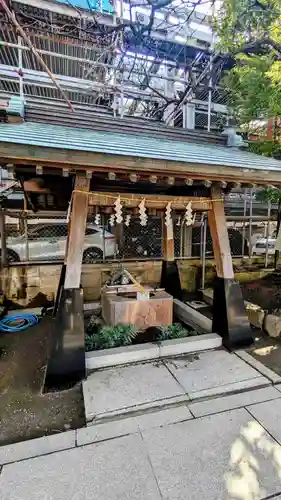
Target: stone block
(192, 317)
(272, 325)
(122, 308)
(255, 315)
(116, 389)
(187, 345)
(36, 447)
(121, 355)
(110, 470)
(217, 405)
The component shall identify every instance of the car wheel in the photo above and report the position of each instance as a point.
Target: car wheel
(92, 255)
(11, 256)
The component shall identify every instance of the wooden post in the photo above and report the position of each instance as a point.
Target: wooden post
(229, 314)
(170, 279)
(77, 226)
(3, 240)
(169, 245)
(218, 228)
(67, 356)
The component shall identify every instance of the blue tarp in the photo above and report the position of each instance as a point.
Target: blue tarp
(96, 5)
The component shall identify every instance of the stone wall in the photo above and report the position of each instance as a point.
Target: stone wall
(34, 285)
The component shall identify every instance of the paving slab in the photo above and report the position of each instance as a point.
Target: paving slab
(207, 370)
(124, 426)
(111, 470)
(268, 415)
(219, 404)
(108, 430)
(163, 417)
(128, 386)
(228, 456)
(35, 447)
(234, 387)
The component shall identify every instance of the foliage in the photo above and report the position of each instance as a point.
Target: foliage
(94, 324)
(265, 148)
(270, 194)
(174, 331)
(249, 33)
(110, 336)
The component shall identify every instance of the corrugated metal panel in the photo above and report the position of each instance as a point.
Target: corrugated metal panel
(137, 145)
(128, 125)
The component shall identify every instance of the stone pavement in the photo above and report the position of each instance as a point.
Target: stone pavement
(112, 392)
(221, 446)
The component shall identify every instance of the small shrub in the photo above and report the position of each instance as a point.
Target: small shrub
(110, 336)
(174, 331)
(94, 325)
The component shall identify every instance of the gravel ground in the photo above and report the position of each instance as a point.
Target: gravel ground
(27, 412)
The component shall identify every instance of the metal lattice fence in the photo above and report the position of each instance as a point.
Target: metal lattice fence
(43, 237)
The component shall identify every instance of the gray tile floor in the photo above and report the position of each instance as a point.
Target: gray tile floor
(226, 456)
(111, 470)
(118, 388)
(227, 447)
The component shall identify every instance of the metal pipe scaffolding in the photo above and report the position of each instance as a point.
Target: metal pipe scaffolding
(14, 21)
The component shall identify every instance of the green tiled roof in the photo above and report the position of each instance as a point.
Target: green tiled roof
(111, 143)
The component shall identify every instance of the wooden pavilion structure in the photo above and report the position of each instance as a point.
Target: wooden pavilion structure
(91, 168)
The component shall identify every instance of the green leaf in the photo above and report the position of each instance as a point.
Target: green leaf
(110, 336)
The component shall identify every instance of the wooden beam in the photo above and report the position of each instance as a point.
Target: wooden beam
(229, 314)
(130, 200)
(23, 154)
(168, 243)
(34, 186)
(219, 233)
(77, 226)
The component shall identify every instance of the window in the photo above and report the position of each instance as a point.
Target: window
(50, 231)
(90, 230)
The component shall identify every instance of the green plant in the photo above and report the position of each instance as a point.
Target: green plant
(94, 325)
(110, 336)
(174, 331)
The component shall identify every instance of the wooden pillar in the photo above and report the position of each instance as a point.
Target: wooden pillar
(3, 267)
(229, 314)
(218, 228)
(168, 242)
(77, 226)
(67, 356)
(170, 279)
(3, 240)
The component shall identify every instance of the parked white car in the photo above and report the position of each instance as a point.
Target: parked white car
(260, 246)
(47, 241)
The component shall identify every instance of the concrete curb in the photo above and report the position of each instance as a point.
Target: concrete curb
(146, 352)
(191, 316)
(257, 365)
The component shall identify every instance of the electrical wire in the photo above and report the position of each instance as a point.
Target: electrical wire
(18, 322)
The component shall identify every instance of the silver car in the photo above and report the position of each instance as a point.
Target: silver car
(47, 241)
(261, 244)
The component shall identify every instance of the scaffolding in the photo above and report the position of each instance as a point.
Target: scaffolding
(167, 77)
